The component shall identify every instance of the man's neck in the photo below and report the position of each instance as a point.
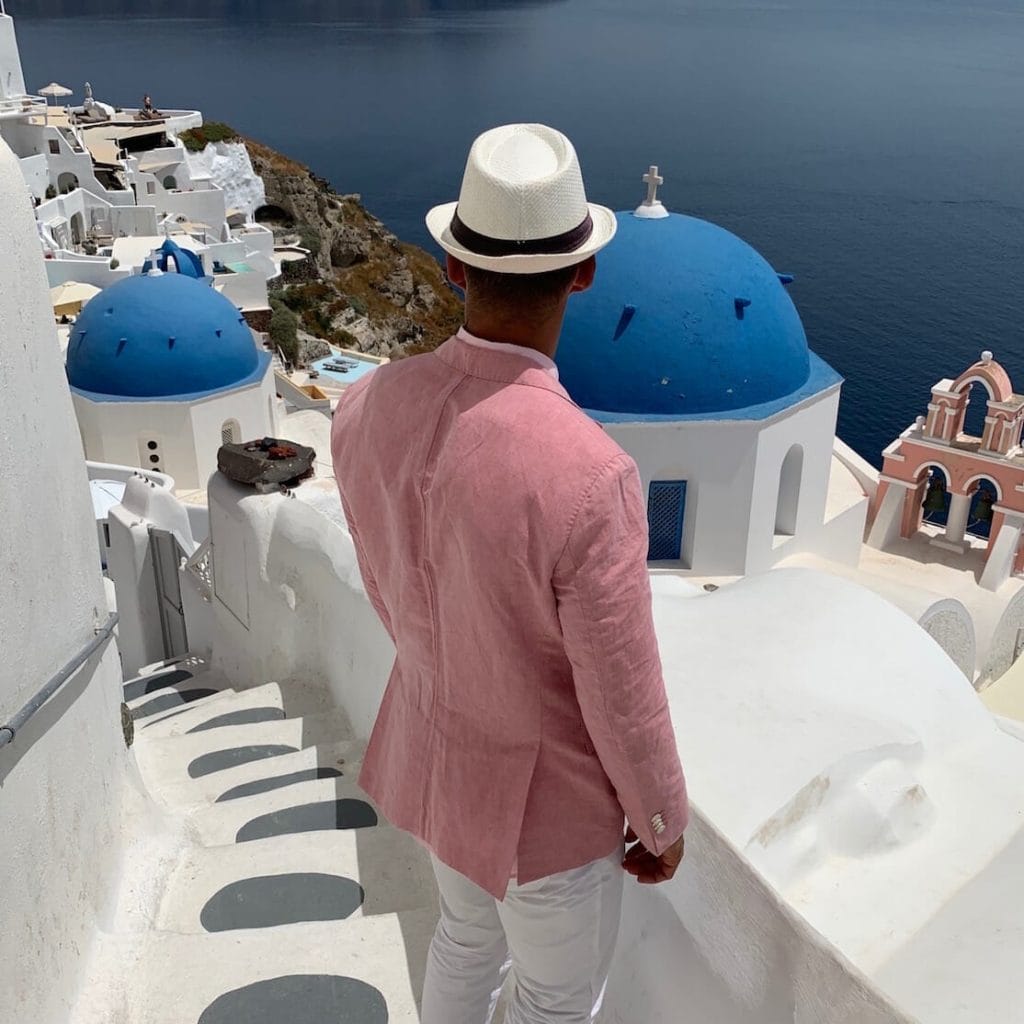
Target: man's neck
(543, 337)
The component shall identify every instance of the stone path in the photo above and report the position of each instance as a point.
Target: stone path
(284, 900)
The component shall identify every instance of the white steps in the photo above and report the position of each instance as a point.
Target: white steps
(226, 913)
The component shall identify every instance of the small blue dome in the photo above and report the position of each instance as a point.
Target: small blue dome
(161, 336)
(683, 319)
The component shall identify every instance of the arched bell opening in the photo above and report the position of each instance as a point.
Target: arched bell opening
(984, 494)
(937, 496)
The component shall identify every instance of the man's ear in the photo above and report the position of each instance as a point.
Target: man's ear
(585, 274)
(456, 271)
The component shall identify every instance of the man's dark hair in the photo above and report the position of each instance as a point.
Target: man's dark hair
(528, 295)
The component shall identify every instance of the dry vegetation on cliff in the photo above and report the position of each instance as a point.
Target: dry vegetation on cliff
(362, 287)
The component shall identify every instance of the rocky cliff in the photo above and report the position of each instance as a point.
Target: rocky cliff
(362, 287)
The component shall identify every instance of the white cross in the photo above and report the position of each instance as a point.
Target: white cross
(652, 180)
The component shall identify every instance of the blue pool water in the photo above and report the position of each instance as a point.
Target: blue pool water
(361, 369)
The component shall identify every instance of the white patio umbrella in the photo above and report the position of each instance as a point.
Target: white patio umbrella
(69, 298)
(54, 89)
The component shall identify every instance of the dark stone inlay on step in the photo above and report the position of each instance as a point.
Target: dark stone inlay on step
(218, 760)
(136, 688)
(247, 716)
(319, 817)
(166, 701)
(271, 900)
(278, 782)
(300, 999)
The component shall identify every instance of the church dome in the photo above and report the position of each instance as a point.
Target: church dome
(684, 319)
(161, 335)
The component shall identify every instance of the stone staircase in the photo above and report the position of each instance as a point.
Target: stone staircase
(285, 900)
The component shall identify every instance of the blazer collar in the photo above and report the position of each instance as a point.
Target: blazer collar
(499, 364)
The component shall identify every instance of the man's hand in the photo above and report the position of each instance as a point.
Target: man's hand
(648, 868)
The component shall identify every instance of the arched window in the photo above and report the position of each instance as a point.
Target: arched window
(788, 503)
(984, 494)
(170, 182)
(66, 182)
(230, 432)
(977, 410)
(936, 497)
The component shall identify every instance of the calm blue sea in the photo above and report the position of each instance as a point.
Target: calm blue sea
(873, 149)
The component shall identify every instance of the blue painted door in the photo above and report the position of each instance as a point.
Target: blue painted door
(666, 503)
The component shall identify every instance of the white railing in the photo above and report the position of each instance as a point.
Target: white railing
(22, 105)
(200, 568)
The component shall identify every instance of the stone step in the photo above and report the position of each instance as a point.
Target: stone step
(316, 805)
(212, 888)
(323, 760)
(376, 963)
(171, 760)
(161, 694)
(240, 704)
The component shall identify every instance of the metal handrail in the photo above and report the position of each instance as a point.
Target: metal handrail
(103, 633)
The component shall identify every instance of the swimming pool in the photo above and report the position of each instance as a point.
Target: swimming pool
(360, 369)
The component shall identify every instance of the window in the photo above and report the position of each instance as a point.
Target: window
(150, 188)
(149, 454)
(666, 503)
(789, 492)
(230, 432)
(54, 147)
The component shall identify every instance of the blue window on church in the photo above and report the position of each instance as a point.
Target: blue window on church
(666, 502)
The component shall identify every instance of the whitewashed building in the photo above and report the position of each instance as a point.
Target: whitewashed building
(98, 175)
(690, 353)
(164, 370)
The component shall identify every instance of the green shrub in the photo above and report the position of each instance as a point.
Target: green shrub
(51, 192)
(309, 238)
(284, 331)
(114, 264)
(195, 140)
(357, 304)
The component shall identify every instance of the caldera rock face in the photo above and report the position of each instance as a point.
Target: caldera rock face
(372, 292)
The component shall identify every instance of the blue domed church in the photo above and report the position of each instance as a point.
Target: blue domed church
(691, 354)
(163, 370)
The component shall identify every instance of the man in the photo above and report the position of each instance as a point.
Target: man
(502, 539)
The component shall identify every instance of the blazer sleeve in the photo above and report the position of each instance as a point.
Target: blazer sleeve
(604, 605)
(366, 571)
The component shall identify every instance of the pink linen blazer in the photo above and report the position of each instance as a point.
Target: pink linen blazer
(502, 539)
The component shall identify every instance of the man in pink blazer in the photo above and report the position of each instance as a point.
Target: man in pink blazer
(502, 539)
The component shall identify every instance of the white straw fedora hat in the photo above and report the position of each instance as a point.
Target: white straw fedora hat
(522, 208)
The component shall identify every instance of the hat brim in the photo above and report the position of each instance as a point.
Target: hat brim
(439, 221)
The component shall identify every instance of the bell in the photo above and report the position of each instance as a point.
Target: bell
(983, 508)
(935, 499)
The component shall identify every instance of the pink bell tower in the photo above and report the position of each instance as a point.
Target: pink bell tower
(934, 460)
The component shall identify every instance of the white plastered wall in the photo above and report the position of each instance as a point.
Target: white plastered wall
(12, 80)
(188, 434)
(720, 942)
(732, 471)
(62, 778)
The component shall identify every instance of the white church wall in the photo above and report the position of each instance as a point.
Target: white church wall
(120, 432)
(716, 459)
(247, 407)
(63, 776)
(809, 432)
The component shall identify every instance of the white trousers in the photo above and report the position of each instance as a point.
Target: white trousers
(556, 935)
